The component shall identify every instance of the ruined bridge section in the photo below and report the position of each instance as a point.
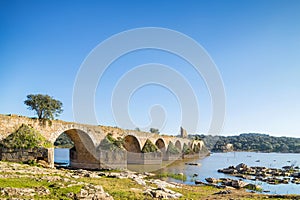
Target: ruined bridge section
(87, 138)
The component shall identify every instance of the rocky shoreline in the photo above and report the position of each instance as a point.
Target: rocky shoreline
(22, 181)
(288, 174)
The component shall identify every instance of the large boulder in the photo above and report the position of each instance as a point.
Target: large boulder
(296, 175)
(211, 180)
(238, 184)
(241, 167)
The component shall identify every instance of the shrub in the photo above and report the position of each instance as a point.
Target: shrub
(172, 149)
(149, 147)
(196, 149)
(186, 149)
(25, 137)
(110, 143)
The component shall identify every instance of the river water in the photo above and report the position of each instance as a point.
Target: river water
(208, 167)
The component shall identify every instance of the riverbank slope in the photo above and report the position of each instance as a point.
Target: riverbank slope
(22, 181)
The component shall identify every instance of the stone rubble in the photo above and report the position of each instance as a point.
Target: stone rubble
(62, 178)
(162, 193)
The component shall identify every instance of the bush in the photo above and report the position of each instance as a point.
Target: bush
(110, 143)
(186, 149)
(196, 149)
(149, 147)
(172, 149)
(25, 137)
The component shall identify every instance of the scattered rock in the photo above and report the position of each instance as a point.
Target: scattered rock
(44, 164)
(211, 180)
(192, 163)
(224, 192)
(198, 182)
(238, 184)
(269, 175)
(93, 192)
(162, 193)
(229, 183)
(254, 187)
(13, 192)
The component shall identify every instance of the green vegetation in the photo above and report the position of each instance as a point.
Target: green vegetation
(63, 141)
(172, 149)
(24, 182)
(251, 142)
(196, 192)
(110, 143)
(25, 137)
(21, 182)
(196, 149)
(149, 147)
(119, 189)
(253, 188)
(186, 149)
(181, 177)
(46, 107)
(154, 130)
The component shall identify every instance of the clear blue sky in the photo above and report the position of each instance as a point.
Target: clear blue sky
(254, 43)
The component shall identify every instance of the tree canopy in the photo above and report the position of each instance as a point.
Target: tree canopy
(63, 141)
(46, 107)
(154, 130)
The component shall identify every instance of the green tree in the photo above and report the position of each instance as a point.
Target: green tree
(63, 141)
(154, 130)
(46, 107)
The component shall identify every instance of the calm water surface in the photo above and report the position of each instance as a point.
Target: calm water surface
(208, 167)
(62, 155)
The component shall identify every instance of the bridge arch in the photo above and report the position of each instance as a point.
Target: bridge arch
(178, 145)
(132, 144)
(83, 154)
(160, 143)
(199, 146)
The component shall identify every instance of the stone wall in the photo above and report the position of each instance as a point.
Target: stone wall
(26, 155)
(116, 159)
(153, 158)
(169, 157)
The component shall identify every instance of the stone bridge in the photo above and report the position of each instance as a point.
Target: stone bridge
(87, 138)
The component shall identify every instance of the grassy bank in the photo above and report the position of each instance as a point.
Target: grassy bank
(181, 177)
(60, 183)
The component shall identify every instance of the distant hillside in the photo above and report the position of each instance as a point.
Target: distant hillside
(250, 142)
